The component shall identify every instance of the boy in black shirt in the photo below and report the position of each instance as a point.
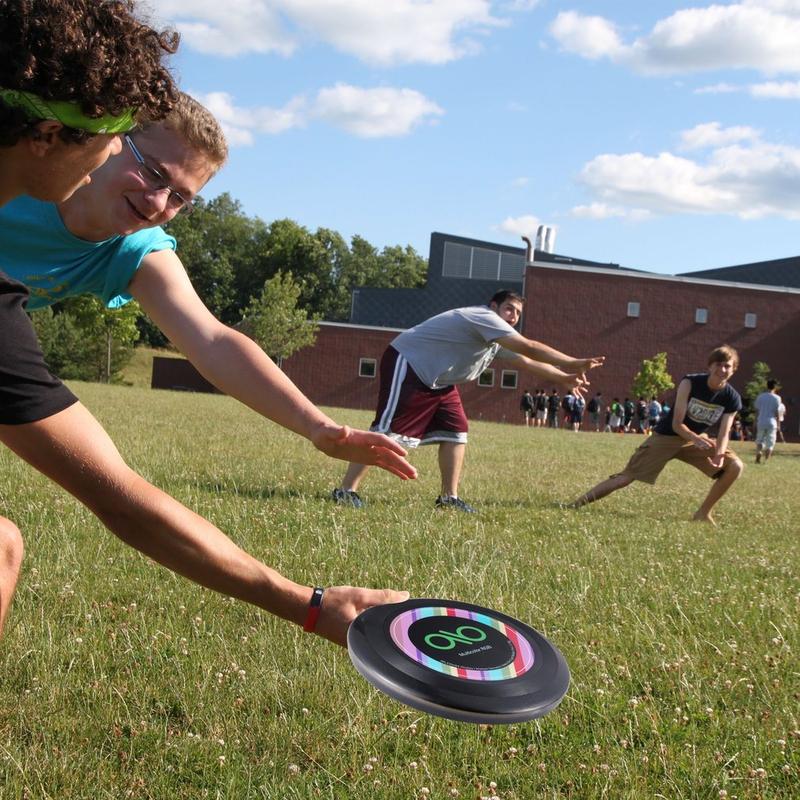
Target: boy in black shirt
(703, 399)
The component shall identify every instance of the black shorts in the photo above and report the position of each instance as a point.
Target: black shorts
(28, 392)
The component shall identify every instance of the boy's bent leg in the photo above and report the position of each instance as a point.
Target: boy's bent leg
(731, 471)
(11, 551)
(73, 449)
(603, 489)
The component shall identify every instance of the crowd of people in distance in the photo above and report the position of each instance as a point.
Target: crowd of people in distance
(542, 410)
(570, 412)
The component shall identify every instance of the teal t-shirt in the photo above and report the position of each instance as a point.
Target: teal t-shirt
(37, 250)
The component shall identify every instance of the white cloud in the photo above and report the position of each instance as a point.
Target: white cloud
(519, 183)
(525, 225)
(786, 90)
(371, 113)
(368, 113)
(718, 88)
(712, 134)
(747, 35)
(605, 211)
(241, 124)
(770, 90)
(383, 33)
(748, 180)
(590, 37)
(228, 28)
(522, 5)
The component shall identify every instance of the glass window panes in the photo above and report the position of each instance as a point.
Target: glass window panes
(486, 378)
(367, 367)
(508, 380)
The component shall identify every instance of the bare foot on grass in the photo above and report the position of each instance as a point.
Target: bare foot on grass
(700, 517)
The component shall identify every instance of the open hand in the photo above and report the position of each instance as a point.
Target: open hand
(582, 364)
(342, 604)
(364, 447)
(576, 383)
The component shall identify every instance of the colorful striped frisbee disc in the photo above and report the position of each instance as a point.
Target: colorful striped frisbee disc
(458, 660)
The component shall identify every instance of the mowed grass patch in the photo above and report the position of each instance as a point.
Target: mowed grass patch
(120, 679)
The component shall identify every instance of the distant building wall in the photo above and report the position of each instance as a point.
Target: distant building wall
(585, 312)
(179, 375)
(580, 307)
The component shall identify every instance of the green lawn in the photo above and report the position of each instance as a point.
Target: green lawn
(121, 680)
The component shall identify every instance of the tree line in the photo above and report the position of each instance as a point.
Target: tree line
(247, 272)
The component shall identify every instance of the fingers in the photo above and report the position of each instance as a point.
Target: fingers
(394, 463)
(376, 440)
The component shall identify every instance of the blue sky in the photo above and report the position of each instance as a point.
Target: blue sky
(655, 135)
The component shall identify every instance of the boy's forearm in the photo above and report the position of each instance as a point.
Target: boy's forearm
(239, 367)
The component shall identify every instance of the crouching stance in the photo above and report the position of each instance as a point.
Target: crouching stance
(703, 399)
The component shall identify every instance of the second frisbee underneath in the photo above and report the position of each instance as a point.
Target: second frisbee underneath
(458, 660)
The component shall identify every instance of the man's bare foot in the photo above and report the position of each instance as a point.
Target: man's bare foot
(699, 516)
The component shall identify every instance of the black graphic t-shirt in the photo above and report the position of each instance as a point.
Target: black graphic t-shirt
(705, 406)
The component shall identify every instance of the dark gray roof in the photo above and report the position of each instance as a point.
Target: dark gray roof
(404, 308)
(556, 259)
(780, 272)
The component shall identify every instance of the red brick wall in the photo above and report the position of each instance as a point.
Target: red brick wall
(585, 313)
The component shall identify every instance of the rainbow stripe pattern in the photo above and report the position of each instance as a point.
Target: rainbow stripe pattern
(522, 662)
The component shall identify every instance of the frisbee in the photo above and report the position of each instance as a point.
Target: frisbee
(458, 660)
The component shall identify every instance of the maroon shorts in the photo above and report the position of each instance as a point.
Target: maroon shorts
(407, 407)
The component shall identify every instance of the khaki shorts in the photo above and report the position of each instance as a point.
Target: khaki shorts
(652, 456)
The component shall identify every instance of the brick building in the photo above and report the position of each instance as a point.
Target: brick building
(580, 307)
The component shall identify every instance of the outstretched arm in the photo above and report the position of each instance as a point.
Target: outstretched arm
(574, 381)
(236, 365)
(537, 351)
(74, 450)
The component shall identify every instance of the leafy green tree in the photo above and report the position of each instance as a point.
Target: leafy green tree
(216, 243)
(61, 343)
(758, 383)
(107, 335)
(81, 339)
(652, 379)
(754, 387)
(274, 320)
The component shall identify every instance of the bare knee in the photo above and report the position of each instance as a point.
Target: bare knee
(734, 468)
(11, 546)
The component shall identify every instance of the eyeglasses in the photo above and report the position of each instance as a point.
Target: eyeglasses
(155, 180)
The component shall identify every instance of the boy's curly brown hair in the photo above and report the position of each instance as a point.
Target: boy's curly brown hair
(97, 53)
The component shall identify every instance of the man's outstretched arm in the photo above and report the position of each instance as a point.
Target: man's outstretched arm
(236, 365)
(538, 351)
(72, 449)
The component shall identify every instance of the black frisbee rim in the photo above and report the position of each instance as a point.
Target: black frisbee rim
(517, 699)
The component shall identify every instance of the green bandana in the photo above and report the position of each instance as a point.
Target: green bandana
(68, 114)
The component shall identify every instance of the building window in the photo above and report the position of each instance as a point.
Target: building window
(486, 378)
(701, 316)
(367, 367)
(633, 309)
(508, 379)
(750, 320)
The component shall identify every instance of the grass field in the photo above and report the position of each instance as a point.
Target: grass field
(120, 680)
